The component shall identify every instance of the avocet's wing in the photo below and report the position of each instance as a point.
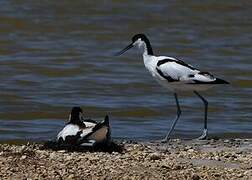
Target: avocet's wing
(174, 70)
(206, 78)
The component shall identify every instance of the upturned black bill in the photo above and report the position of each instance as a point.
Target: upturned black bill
(124, 50)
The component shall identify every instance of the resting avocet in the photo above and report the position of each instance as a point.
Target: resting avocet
(175, 75)
(85, 132)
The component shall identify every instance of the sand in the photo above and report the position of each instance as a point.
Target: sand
(178, 159)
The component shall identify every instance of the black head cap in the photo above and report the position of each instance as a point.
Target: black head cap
(134, 39)
(76, 110)
(76, 115)
(144, 38)
(139, 36)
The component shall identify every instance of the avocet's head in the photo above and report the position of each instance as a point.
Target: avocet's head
(139, 40)
(76, 115)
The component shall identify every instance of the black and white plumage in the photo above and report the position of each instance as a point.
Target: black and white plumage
(175, 75)
(87, 132)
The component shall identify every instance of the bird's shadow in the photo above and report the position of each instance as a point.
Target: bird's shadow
(105, 147)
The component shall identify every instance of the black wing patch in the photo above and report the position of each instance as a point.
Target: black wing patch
(217, 81)
(163, 61)
(168, 78)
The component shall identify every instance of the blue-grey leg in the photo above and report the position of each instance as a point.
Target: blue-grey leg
(175, 120)
(204, 134)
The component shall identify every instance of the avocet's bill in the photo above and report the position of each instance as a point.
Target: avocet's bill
(175, 75)
(124, 50)
(79, 131)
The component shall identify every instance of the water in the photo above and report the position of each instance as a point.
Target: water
(55, 55)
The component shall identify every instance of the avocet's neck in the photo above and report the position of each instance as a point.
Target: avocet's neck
(147, 48)
(147, 52)
(75, 119)
(144, 46)
(150, 63)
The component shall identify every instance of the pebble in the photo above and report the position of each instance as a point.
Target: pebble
(53, 155)
(154, 156)
(195, 177)
(23, 157)
(61, 151)
(248, 173)
(226, 141)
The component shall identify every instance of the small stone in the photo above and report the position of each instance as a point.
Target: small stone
(190, 150)
(226, 141)
(68, 158)
(22, 148)
(240, 175)
(188, 147)
(195, 177)
(217, 175)
(23, 157)
(53, 155)
(165, 167)
(115, 153)
(71, 176)
(155, 156)
(248, 173)
(177, 167)
(61, 151)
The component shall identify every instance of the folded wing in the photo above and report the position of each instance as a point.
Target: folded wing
(92, 133)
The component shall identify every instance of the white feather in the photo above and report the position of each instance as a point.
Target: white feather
(72, 130)
(68, 130)
(86, 131)
(176, 71)
(183, 74)
(89, 124)
(204, 78)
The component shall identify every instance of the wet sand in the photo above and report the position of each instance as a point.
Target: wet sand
(178, 159)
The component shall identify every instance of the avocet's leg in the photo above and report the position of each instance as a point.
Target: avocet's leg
(204, 134)
(175, 120)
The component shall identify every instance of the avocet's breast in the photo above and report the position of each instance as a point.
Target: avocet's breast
(150, 63)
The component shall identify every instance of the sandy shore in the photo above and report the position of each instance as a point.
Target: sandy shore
(210, 159)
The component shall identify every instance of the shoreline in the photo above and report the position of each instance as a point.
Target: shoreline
(177, 159)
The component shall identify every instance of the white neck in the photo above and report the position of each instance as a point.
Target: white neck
(146, 57)
(149, 61)
(142, 47)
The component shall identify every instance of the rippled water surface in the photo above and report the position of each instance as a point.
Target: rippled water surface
(59, 54)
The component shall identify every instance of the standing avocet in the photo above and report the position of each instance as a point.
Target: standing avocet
(175, 75)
